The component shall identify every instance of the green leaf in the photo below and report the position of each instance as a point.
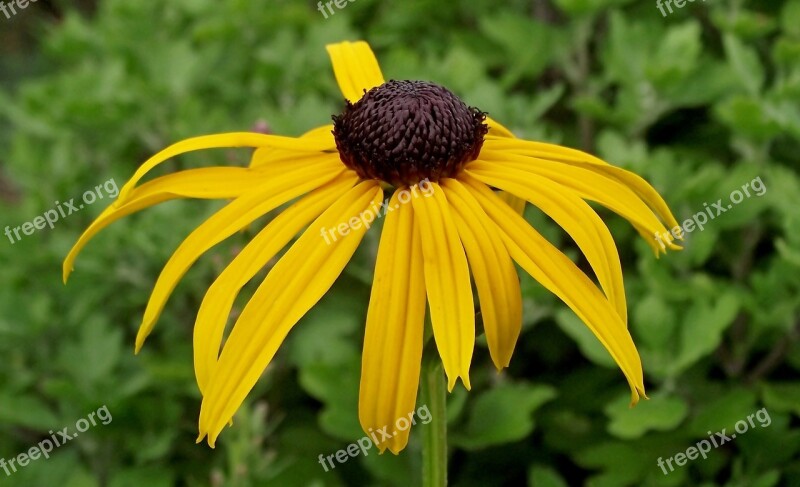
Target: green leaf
(722, 412)
(703, 326)
(324, 335)
(26, 410)
(543, 476)
(589, 345)
(790, 18)
(588, 7)
(662, 412)
(529, 45)
(135, 477)
(677, 56)
(782, 397)
(745, 63)
(748, 116)
(337, 387)
(654, 321)
(502, 414)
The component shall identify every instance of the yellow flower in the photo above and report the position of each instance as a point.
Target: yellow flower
(444, 220)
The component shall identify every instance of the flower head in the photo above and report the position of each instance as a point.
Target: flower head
(423, 141)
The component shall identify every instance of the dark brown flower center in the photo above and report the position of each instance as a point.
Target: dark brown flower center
(403, 132)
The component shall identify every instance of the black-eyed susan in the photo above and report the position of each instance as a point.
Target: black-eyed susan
(395, 134)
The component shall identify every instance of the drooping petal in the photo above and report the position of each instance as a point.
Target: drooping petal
(559, 275)
(572, 214)
(395, 324)
(271, 155)
(596, 183)
(355, 67)
(324, 132)
(271, 160)
(447, 284)
(495, 275)
(234, 139)
(567, 155)
(206, 183)
(218, 301)
(229, 220)
(299, 279)
(497, 130)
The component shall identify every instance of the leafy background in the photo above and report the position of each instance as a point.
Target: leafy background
(699, 102)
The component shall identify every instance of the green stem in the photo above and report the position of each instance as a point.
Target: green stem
(434, 434)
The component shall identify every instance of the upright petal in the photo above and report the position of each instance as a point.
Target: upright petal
(447, 284)
(236, 215)
(213, 314)
(395, 325)
(572, 214)
(559, 275)
(206, 183)
(355, 67)
(495, 275)
(299, 279)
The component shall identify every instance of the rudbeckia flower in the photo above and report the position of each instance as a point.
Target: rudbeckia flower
(458, 180)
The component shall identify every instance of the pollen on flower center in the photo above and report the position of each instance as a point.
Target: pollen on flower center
(402, 132)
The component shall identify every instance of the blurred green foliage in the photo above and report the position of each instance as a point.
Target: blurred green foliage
(699, 102)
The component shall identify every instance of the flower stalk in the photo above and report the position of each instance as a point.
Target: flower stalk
(433, 393)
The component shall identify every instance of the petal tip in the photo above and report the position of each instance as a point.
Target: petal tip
(139, 344)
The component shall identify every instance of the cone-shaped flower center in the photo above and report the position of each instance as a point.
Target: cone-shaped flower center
(402, 132)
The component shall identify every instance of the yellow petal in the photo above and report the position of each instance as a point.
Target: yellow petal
(355, 67)
(393, 337)
(497, 130)
(218, 301)
(517, 204)
(572, 214)
(299, 279)
(229, 220)
(206, 183)
(494, 272)
(573, 156)
(271, 155)
(234, 139)
(559, 275)
(595, 183)
(447, 284)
